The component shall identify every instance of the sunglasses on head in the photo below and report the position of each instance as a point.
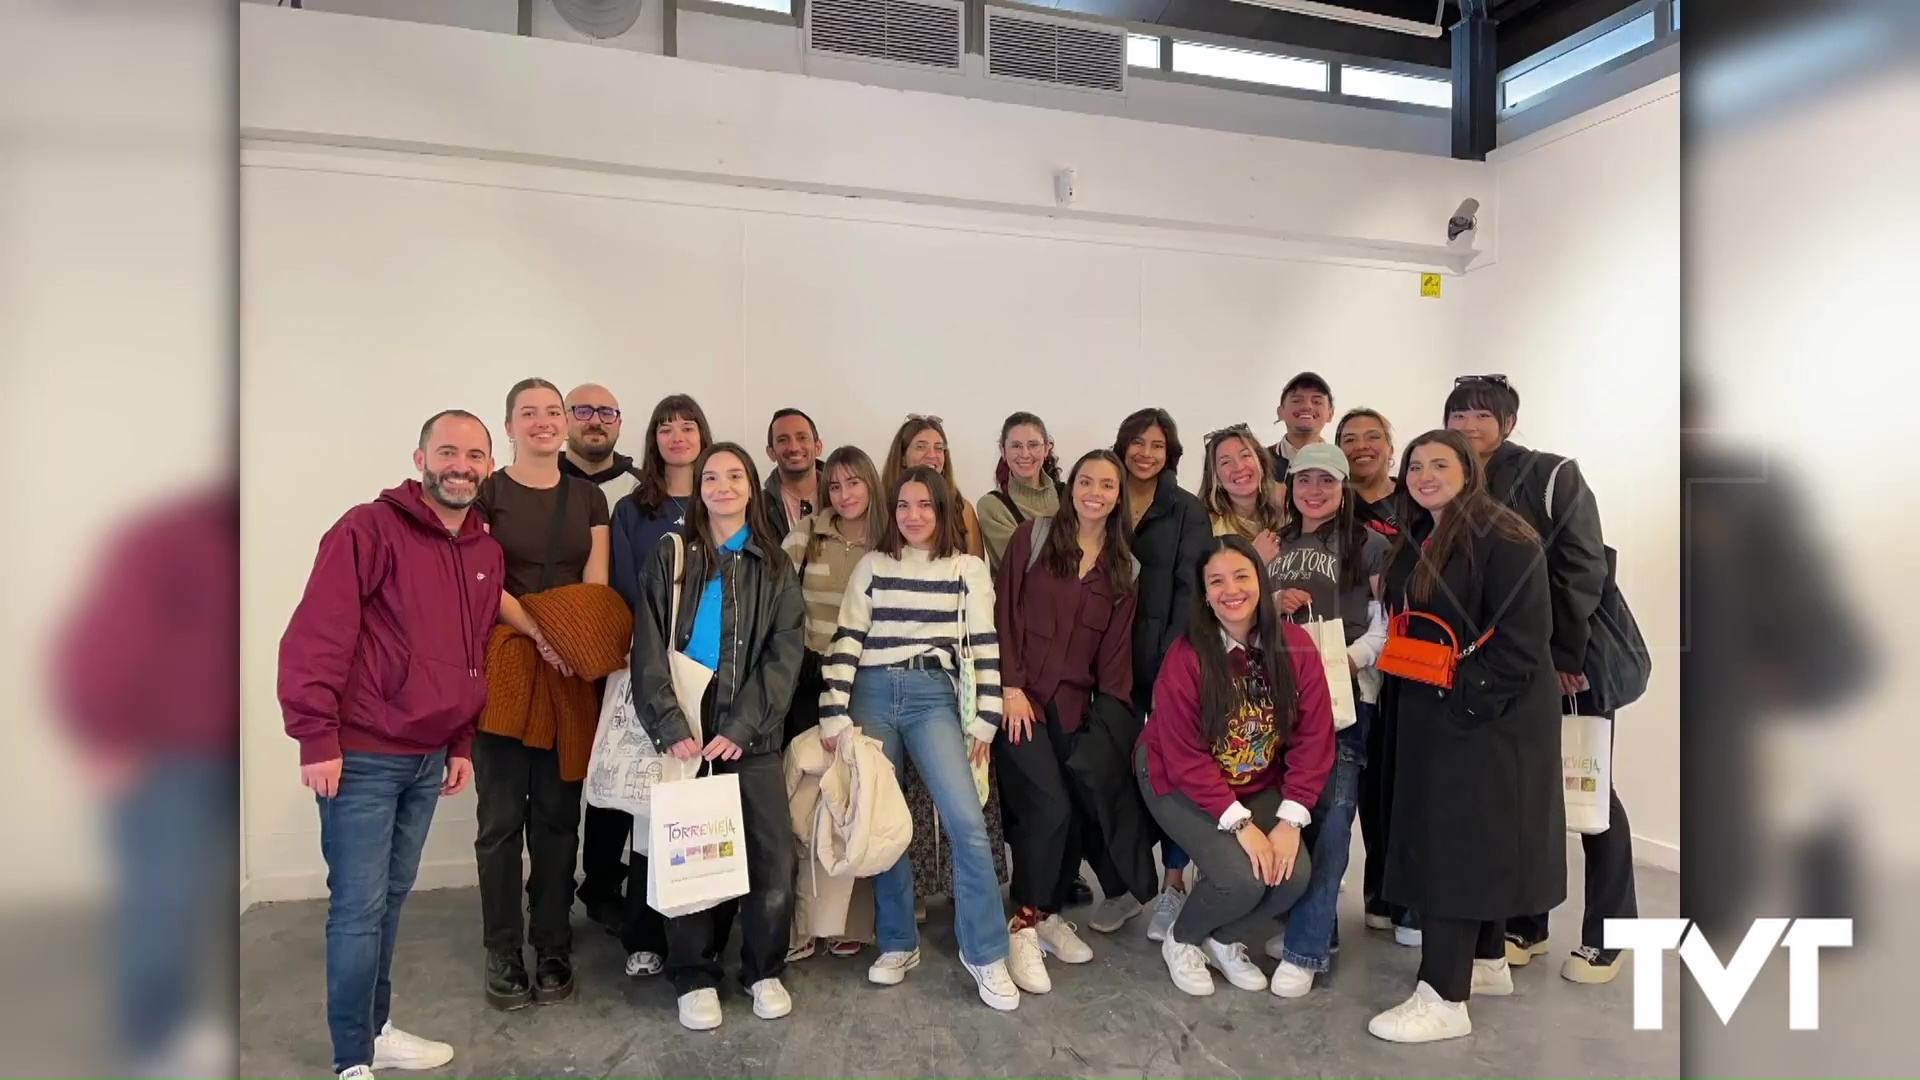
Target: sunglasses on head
(1497, 380)
(1230, 429)
(918, 419)
(607, 413)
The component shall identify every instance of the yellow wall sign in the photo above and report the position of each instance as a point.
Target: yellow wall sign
(1430, 285)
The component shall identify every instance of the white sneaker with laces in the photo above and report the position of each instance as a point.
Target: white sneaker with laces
(1407, 935)
(1424, 1017)
(1111, 914)
(1291, 981)
(395, 1049)
(357, 1072)
(892, 967)
(1188, 966)
(1232, 961)
(644, 963)
(1026, 961)
(700, 1010)
(1058, 938)
(1166, 908)
(1492, 978)
(770, 999)
(997, 987)
(1277, 946)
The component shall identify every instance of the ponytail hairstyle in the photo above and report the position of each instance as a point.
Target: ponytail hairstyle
(1050, 468)
(1220, 694)
(1060, 552)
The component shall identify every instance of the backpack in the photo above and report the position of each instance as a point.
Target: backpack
(1041, 526)
(1006, 500)
(1617, 662)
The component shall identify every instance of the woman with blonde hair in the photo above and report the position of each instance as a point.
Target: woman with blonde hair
(1241, 494)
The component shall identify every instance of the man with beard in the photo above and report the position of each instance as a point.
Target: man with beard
(795, 488)
(381, 683)
(593, 429)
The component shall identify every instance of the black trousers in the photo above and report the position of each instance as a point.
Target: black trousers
(522, 800)
(1609, 878)
(1373, 816)
(1448, 948)
(603, 847)
(1050, 823)
(695, 942)
(643, 929)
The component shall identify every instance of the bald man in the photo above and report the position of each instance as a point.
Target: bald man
(593, 429)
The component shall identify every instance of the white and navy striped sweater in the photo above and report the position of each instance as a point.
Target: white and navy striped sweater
(897, 609)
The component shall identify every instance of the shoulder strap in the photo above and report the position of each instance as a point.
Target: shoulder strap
(1036, 539)
(1006, 500)
(1552, 478)
(673, 598)
(554, 532)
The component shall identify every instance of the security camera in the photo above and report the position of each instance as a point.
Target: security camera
(1462, 224)
(1063, 182)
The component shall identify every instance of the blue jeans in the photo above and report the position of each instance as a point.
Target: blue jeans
(371, 833)
(1313, 925)
(914, 712)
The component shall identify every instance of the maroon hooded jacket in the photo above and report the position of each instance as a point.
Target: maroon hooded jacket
(384, 653)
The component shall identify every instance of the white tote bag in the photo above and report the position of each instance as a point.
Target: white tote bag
(1330, 637)
(1586, 767)
(699, 845)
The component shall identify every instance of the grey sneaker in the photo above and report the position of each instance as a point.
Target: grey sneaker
(1165, 910)
(1112, 913)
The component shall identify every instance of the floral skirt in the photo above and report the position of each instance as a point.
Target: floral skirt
(931, 855)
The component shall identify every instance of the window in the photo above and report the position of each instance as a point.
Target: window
(1393, 86)
(1222, 63)
(1616, 42)
(1676, 14)
(784, 7)
(1143, 51)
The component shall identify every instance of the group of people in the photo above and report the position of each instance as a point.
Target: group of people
(1077, 666)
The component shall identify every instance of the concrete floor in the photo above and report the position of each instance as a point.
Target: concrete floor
(1117, 1016)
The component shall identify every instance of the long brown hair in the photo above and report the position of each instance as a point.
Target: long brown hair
(703, 556)
(651, 492)
(1267, 507)
(852, 459)
(1060, 552)
(1220, 695)
(949, 538)
(1472, 514)
(896, 458)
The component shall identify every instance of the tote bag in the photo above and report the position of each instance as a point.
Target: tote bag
(966, 688)
(698, 837)
(1586, 768)
(1330, 637)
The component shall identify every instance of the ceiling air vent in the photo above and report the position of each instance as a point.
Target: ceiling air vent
(1058, 52)
(922, 33)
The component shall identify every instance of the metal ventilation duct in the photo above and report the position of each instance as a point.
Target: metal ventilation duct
(599, 18)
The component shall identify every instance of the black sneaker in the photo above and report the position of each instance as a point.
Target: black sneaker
(1590, 965)
(507, 984)
(1081, 894)
(1520, 951)
(552, 978)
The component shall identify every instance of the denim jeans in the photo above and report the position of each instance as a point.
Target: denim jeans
(1314, 923)
(371, 833)
(914, 712)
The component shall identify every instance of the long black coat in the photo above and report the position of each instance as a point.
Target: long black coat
(1477, 820)
(1166, 543)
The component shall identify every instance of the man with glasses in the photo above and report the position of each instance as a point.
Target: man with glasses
(593, 429)
(1306, 407)
(1548, 491)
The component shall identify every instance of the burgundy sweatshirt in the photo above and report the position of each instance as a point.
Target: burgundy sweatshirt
(384, 653)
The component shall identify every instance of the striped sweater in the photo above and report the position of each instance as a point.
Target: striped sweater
(897, 609)
(828, 570)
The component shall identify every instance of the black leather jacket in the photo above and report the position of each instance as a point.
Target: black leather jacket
(762, 641)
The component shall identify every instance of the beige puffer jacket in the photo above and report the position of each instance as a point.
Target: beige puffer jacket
(850, 821)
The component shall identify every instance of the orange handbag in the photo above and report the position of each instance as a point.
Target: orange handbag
(1428, 662)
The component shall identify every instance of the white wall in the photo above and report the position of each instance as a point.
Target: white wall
(1580, 306)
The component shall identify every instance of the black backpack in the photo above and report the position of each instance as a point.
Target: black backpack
(1617, 663)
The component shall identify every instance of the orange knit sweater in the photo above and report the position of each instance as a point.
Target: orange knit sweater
(528, 699)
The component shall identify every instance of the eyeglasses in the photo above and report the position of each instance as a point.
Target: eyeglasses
(606, 413)
(1497, 380)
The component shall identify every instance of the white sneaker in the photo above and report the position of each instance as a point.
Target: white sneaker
(1492, 978)
(1188, 966)
(1111, 914)
(892, 967)
(1424, 1017)
(1165, 909)
(1057, 938)
(1379, 922)
(1233, 963)
(1291, 981)
(1277, 946)
(1407, 935)
(997, 987)
(1026, 961)
(770, 999)
(357, 1072)
(700, 1010)
(395, 1049)
(644, 963)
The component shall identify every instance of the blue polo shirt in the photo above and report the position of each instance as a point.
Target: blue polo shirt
(704, 647)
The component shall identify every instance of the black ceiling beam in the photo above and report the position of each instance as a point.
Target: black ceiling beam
(1229, 19)
(1475, 85)
(1531, 28)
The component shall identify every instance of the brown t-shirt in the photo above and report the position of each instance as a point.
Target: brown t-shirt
(521, 519)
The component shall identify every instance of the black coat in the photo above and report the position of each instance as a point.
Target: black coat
(763, 639)
(1168, 540)
(1477, 818)
(1576, 553)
